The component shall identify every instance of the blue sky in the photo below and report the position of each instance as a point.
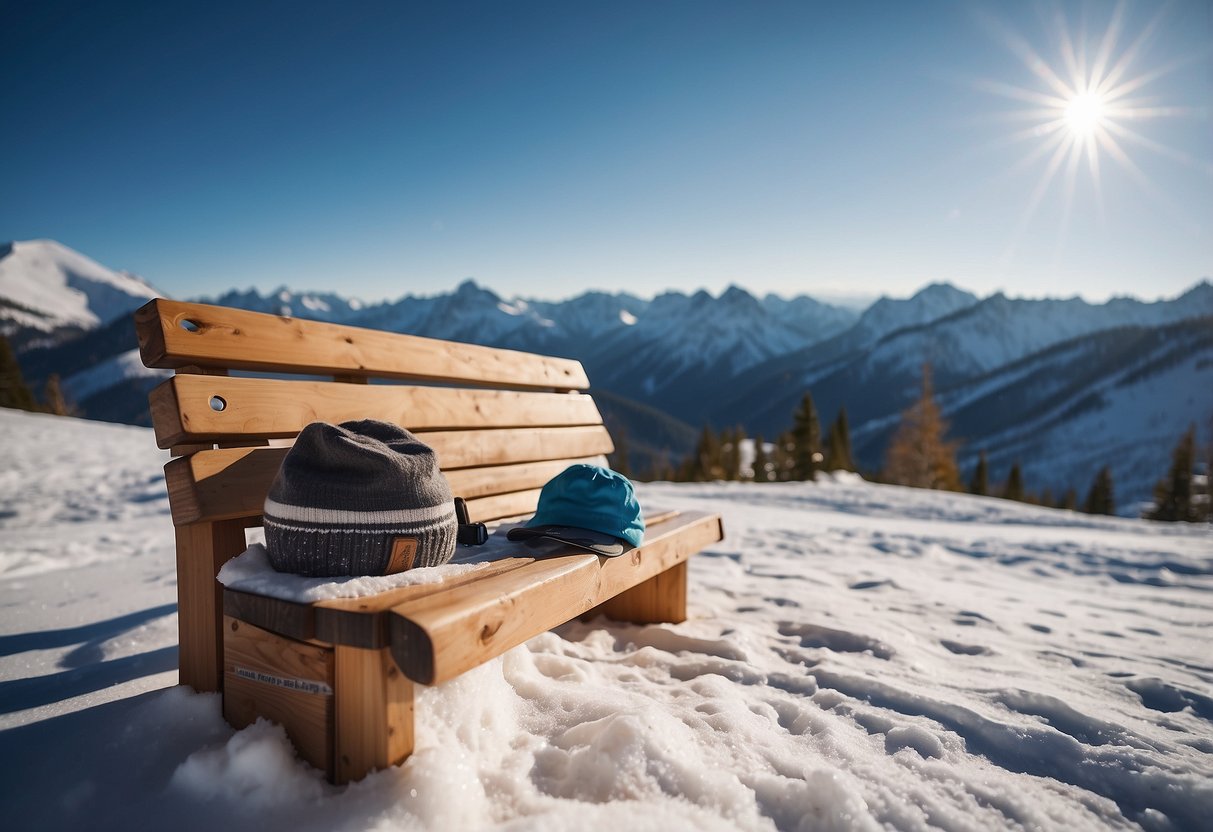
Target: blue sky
(548, 148)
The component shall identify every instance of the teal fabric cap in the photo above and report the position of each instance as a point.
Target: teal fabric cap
(590, 498)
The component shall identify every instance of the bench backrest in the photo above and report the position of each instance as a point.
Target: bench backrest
(502, 422)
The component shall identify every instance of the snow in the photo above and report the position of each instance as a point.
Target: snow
(999, 330)
(250, 571)
(121, 367)
(857, 656)
(65, 288)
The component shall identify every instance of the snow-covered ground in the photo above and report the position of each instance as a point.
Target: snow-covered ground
(858, 656)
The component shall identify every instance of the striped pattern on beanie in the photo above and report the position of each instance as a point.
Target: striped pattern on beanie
(359, 498)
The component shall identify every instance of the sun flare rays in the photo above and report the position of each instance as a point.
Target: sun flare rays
(1078, 113)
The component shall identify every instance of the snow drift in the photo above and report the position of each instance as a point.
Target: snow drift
(858, 657)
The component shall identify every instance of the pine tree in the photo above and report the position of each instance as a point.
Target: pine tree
(838, 444)
(980, 483)
(1046, 497)
(918, 454)
(806, 440)
(1069, 500)
(1100, 499)
(1173, 495)
(13, 390)
(781, 463)
(759, 466)
(730, 453)
(705, 463)
(1013, 488)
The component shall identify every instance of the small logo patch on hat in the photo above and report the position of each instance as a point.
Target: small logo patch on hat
(404, 551)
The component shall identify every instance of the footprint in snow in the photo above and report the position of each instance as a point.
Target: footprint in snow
(840, 641)
(873, 584)
(1164, 697)
(966, 649)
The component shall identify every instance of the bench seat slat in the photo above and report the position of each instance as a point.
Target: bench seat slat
(362, 622)
(174, 334)
(183, 408)
(439, 636)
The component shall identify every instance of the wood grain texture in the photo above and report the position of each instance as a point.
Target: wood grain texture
(184, 408)
(232, 482)
(202, 548)
(244, 340)
(363, 622)
(437, 637)
(660, 599)
(515, 504)
(307, 717)
(474, 483)
(289, 618)
(373, 714)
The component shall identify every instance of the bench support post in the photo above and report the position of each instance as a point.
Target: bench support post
(662, 599)
(373, 713)
(202, 548)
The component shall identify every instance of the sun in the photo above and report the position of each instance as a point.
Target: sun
(1085, 107)
(1085, 114)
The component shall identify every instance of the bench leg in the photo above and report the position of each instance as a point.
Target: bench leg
(373, 713)
(202, 548)
(660, 599)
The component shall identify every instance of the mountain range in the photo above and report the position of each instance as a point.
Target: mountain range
(1062, 386)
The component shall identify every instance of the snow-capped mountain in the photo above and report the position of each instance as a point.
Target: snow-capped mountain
(878, 380)
(1048, 382)
(931, 303)
(1119, 397)
(46, 286)
(316, 306)
(1000, 330)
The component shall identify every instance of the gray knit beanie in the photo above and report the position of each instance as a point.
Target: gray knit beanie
(359, 498)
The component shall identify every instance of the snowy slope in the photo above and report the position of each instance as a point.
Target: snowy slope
(764, 398)
(1120, 399)
(1000, 330)
(124, 367)
(45, 285)
(857, 657)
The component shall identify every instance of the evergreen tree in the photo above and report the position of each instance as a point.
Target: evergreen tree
(980, 483)
(13, 390)
(1013, 489)
(1173, 495)
(806, 440)
(1046, 498)
(759, 465)
(918, 454)
(844, 437)
(838, 444)
(1100, 499)
(730, 452)
(1069, 500)
(781, 463)
(705, 463)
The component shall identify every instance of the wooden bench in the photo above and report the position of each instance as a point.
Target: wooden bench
(339, 674)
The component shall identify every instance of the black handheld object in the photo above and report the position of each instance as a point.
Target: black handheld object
(470, 534)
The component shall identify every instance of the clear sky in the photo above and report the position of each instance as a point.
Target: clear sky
(547, 148)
